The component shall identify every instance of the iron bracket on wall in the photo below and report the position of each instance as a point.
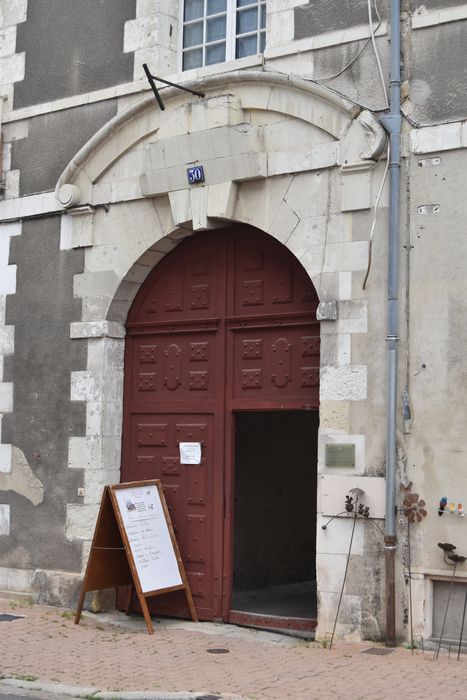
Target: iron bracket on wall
(152, 78)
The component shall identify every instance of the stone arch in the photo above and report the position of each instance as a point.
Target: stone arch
(238, 91)
(256, 173)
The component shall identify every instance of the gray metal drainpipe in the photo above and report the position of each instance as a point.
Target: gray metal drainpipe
(392, 123)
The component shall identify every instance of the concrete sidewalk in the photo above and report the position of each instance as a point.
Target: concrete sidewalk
(111, 656)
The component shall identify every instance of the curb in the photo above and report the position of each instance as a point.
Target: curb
(78, 692)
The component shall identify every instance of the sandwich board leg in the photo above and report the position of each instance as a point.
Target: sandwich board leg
(80, 606)
(191, 605)
(147, 616)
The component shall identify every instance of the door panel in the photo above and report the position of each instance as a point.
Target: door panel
(189, 491)
(225, 321)
(269, 364)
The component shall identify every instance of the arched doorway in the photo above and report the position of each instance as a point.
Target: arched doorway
(222, 349)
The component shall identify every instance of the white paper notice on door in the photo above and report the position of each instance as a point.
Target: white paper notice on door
(190, 452)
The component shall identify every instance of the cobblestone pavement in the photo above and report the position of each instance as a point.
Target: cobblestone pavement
(114, 653)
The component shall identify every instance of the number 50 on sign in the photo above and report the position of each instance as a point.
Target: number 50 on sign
(195, 174)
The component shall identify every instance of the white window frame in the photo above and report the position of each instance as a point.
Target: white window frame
(230, 34)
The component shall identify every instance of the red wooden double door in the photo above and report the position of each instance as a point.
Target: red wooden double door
(225, 323)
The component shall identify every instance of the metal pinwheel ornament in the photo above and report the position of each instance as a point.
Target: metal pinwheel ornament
(414, 508)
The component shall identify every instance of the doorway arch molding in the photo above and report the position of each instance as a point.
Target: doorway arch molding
(242, 90)
(280, 154)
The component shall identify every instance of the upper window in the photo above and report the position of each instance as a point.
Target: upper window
(220, 30)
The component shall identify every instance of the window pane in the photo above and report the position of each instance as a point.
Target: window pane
(246, 46)
(192, 59)
(215, 29)
(263, 16)
(193, 34)
(193, 9)
(243, 3)
(215, 6)
(247, 21)
(215, 54)
(262, 42)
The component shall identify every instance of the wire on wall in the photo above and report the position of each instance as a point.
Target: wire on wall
(324, 79)
(375, 216)
(371, 38)
(320, 81)
(375, 49)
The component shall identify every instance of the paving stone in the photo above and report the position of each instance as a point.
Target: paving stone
(114, 657)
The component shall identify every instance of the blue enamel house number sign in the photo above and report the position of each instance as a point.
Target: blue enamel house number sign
(195, 174)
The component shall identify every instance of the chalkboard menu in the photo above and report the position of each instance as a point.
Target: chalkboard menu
(134, 543)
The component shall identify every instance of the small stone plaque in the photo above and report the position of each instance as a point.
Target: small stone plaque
(340, 455)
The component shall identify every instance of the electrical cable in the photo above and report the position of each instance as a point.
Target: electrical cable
(270, 69)
(320, 81)
(375, 216)
(359, 53)
(373, 41)
(383, 85)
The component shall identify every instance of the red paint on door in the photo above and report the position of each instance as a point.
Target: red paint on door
(225, 322)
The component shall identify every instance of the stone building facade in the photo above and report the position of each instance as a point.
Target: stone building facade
(95, 195)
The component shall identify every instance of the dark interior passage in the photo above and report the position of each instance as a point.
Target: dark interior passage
(275, 513)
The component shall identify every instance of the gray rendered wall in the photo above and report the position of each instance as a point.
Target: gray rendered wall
(72, 47)
(438, 73)
(433, 59)
(413, 5)
(320, 16)
(53, 139)
(43, 417)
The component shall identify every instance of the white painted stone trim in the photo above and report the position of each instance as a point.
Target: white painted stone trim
(18, 580)
(348, 383)
(31, 205)
(5, 458)
(326, 40)
(4, 519)
(444, 137)
(12, 64)
(428, 18)
(12, 12)
(97, 329)
(7, 287)
(7, 40)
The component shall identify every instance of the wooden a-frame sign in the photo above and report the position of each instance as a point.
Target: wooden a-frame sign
(134, 544)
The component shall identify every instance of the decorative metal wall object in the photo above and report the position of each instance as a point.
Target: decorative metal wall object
(451, 558)
(354, 509)
(414, 509)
